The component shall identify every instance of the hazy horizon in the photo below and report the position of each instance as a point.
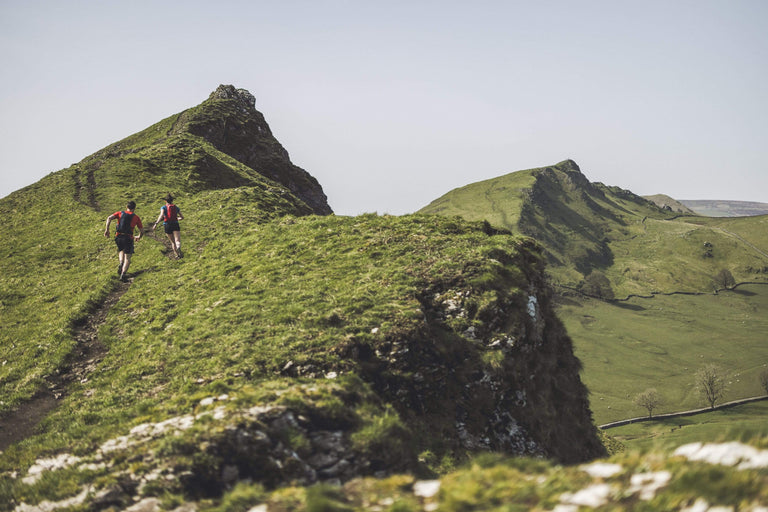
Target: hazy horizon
(391, 105)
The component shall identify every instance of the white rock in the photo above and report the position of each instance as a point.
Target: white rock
(735, 454)
(594, 496)
(532, 303)
(40, 466)
(646, 484)
(145, 505)
(601, 469)
(50, 506)
(701, 505)
(426, 488)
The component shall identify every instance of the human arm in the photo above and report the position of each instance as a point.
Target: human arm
(141, 228)
(109, 221)
(159, 218)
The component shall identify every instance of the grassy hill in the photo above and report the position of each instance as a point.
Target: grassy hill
(288, 346)
(662, 268)
(588, 227)
(667, 203)
(295, 360)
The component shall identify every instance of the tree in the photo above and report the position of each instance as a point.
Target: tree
(724, 279)
(764, 379)
(711, 383)
(598, 285)
(649, 399)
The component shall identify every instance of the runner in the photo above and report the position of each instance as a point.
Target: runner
(171, 215)
(127, 221)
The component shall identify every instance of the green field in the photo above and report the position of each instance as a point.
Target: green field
(627, 347)
(745, 423)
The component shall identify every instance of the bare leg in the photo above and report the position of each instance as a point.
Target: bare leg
(126, 264)
(121, 260)
(177, 237)
(173, 245)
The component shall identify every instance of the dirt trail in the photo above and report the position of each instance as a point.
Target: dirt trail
(87, 354)
(162, 240)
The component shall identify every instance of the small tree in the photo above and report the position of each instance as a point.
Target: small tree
(764, 379)
(711, 383)
(724, 279)
(598, 285)
(649, 399)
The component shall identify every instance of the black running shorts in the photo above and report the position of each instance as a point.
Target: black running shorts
(171, 226)
(124, 243)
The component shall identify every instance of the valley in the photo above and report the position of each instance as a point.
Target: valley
(660, 342)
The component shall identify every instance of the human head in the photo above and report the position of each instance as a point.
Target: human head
(169, 199)
(131, 205)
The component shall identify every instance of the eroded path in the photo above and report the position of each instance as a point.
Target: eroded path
(87, 354)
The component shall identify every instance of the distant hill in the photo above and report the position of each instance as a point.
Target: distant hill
(659, 274)
(629, 243)
(667, 203)
(715, 208)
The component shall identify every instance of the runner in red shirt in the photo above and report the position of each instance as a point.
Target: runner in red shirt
(127, 222)
(171, 215)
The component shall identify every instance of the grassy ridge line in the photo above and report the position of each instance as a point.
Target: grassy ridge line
(585, 226)
(238, 309)
(58, 264)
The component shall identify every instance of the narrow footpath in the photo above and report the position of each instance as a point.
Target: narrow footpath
(87, 354)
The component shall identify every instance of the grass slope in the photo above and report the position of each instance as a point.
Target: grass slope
(661, 342)
(586, 227)
(739, 423)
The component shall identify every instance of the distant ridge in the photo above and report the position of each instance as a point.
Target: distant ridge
(667, 203)
(720, 208)
(606, 241)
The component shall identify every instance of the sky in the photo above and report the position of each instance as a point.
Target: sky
(391, 104)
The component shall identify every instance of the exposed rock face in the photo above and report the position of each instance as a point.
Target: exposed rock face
(230, 121)
(508, 383)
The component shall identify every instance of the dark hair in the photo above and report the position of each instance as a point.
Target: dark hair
(169, 198)
(131, 205)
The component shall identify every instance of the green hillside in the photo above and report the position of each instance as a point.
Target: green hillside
(588, 227)
(657, 272)
(287, 348)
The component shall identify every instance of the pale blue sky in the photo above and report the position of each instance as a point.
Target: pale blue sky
(390, 104)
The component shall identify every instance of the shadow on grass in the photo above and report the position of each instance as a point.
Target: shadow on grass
(630, 307)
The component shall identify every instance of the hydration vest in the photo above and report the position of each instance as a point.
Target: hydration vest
(169, 213)
(124, 224)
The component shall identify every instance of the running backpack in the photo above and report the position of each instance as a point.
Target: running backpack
(170, 213)
(124, 224)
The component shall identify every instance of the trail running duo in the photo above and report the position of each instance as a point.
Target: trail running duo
(128, 221)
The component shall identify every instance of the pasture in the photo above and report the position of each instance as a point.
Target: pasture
(627, 347)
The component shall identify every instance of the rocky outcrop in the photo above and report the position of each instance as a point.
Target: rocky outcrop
(229, 120)
(499, 377)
